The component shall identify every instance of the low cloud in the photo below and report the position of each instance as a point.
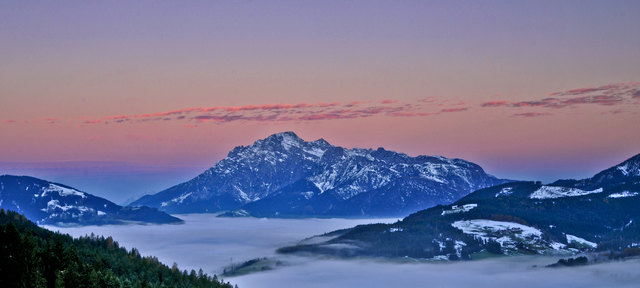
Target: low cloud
(283, 112)
(447, 110)
(609, 89)
(531, 114)
(606, 95)
(286, 112)
(611, 95)
(210, 243)
(495, 103)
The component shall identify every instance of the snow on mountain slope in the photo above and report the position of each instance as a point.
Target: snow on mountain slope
(268, 168)
(626, 172)
(629, 169)
(50, 203)
(551, 192)
(623, 194)
(508, 234)
(512, 218)
(580, 241)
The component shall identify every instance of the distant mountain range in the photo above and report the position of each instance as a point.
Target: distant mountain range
(46, 202)
(285, 176)
(565, 217)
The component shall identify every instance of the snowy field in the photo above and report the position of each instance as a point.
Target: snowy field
(212, 243)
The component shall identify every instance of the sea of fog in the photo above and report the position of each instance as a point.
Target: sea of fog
(211, 243)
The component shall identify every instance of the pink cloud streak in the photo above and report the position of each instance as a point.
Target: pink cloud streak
(606, 95)
(274, 112)
(531, 114)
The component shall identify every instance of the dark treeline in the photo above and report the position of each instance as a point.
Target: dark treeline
(31, 256)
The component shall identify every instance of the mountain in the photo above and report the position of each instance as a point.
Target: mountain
(565, 217)
(625, 172)
(285, 176)
(46, 202)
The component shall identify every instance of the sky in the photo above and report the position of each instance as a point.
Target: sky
(158, 91)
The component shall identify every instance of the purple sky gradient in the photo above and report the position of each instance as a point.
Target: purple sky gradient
(527, 89)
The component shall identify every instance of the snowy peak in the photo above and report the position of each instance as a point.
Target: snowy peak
(52, 203)
(283, 143)
(286, 139)
(626, 172)
(631, 167)
(268, 168)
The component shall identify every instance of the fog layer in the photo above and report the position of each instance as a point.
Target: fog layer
(211, 243)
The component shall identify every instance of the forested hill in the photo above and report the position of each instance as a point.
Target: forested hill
(565, 217)
(31, 256)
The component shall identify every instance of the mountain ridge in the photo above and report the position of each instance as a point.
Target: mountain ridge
(315, 178)
(53, 203)
(561, 218)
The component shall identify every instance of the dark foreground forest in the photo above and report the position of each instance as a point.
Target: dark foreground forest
(31, 256)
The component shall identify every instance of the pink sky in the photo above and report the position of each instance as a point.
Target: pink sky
(528, 90)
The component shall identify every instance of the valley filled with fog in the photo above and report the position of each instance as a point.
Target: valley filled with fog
(211, 243)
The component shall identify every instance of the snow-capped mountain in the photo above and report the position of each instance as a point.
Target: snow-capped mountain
(561, 218)
(285, 176)
(625, 172)
(46, 202)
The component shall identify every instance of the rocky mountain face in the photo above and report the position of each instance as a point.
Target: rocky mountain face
(285, 176)
(51, 203)
(565, 217)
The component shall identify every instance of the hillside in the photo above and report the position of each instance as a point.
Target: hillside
(52, 203)
(31, 256)
(565, 217)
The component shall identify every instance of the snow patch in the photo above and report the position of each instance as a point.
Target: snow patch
(395, 229)
(508, 234)
(307, 195)
(315, 152)
(458, 247)
(505, 192)
(480, 227)
(62, 191)
(289, 141)
(580, 241)
(440, 258)
(623, 194)
(552, 192)
(53, 205)
(459, 209)
(557, 245)
(177, 200)
(626, 170)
